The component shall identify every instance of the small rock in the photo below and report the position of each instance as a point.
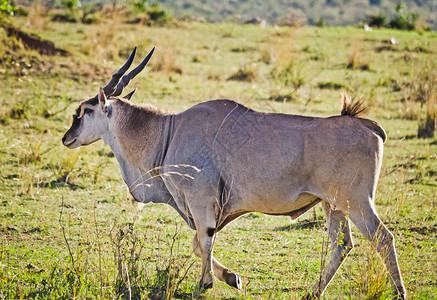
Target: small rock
(367, 27)
(394, 41)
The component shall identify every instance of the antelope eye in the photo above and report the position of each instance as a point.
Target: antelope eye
(88, 111)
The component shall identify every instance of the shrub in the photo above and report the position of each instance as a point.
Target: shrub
(294, 18)
(404, 22)
(158, 14)
(7, 7)
(321, 23)
(75, 12)
(266, 56)
(245, 73)
(428, 126)
(284, 97)
(71, 13)
(400, 21)
(90, 14)
(330, 85)
(20, 11)
(376, 20)
(150, 14)
(140, 6)
(357, 60)
(288, 73)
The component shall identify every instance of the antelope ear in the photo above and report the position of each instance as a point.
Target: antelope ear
(128, 96)
(102, 99)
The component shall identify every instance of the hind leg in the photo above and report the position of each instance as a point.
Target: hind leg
(341, 244)
(368, 222)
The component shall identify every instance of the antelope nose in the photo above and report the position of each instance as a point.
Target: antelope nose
(63, 140)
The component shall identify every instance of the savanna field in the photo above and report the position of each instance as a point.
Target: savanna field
(68, 229)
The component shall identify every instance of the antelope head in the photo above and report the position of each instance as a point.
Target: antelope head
(91, 120)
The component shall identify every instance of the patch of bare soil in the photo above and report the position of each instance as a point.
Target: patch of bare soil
(18, 62)
(34, 42)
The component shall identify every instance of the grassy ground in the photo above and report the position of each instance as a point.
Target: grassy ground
(68, 229)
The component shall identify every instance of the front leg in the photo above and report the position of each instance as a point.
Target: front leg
(206, 246)
(220, 271)
(205, 233)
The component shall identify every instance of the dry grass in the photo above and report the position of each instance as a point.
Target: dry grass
(419, 99)
(428, 88)
(282, 52)
(102, 40)
(117, 256)
(410, 110)
(371, 277)
(428, 126)
(36, 19)
(166, 60)
(282, 49)
(357, 59)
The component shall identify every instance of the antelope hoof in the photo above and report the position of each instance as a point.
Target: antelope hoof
(206, 286)
(308, 296)
(400, 295)
(234, 280)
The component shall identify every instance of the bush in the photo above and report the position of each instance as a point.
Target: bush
(20, 11)
(376, 20)
(330, 85)
(158, 14)
(289, 74)
(7, 7)
(71, 13)
(321, 23)
(294, 18)
(404, 22)
(140, 6)
(245, 73)
(70, 17)
(400, 21)
(150, 14)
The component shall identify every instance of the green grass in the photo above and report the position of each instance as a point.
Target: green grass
(69, 230)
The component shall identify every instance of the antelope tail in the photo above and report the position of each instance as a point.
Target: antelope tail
(356, 109)
(350, 108)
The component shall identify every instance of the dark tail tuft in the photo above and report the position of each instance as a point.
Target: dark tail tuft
(356, 109)
(350, 108)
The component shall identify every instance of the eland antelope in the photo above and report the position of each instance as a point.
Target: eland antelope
(219, 160)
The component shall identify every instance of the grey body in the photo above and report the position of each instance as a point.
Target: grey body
(219, 160)
(269, 163)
